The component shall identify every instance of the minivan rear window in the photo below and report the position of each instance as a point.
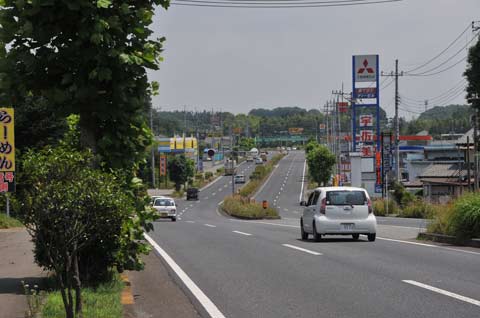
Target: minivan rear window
(346, 198)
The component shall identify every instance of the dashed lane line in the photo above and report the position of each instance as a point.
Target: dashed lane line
(209, 225)
(302, 249)
(242, 233)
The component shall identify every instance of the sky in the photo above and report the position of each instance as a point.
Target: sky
(238, 59)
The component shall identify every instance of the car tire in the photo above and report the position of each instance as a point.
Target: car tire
(355, 236)
(302, 231)
(371, 237)
(316, 237)
(174, 219)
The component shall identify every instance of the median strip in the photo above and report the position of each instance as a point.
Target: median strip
(444, 292)
(302, 249)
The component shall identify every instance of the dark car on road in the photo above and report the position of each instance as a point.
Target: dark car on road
(192, 194)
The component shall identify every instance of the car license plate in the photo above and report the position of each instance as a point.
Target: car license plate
(348, 226)
(163, 214)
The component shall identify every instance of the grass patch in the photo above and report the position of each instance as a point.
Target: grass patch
(242, 208)
(7, 222)
(101, 302)
(418, 208)
(259, 175)
(380, 207)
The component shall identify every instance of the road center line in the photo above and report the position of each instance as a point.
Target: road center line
(209, 306)
(303, 181)
(209, 225)
(444, 292)
(302, 249)
(243, 233)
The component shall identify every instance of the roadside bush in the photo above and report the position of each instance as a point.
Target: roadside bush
(249, 188)
(8, 222)
(441, 223)
(465, 221)
(208, 175)
(418, 209)
(241, 208)
(380, 207)
(199, 176)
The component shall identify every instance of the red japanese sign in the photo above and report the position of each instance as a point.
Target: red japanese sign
(163, 165)
(366, 135)
(366, 120)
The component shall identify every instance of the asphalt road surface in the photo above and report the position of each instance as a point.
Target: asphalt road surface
(262, 268)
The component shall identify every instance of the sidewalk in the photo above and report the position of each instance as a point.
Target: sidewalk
(16, 264)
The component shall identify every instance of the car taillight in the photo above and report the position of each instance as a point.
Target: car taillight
(323, 206)
(370, 209)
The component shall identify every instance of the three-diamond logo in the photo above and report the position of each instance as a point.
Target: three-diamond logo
(365, 68)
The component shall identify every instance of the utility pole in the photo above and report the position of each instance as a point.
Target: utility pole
(396, 74)
(153, 150)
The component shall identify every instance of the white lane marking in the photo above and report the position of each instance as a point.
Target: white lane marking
(179, 218)
(225, 186)
(209, 306)
(303, 181)
(209, 225)
(220, 189)
(444, 292)
(190, 221)
(428, 245)
(266, 181)
(302, 249)
(211, 183)
(206, 198)
(214, 193)
(243, 233)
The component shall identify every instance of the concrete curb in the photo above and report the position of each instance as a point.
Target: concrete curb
(441, 238)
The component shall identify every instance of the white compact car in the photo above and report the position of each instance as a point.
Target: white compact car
(166, 208)
(338, 211)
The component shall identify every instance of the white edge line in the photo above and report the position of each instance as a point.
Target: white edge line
(444, 292)
(302, 249)
(242, 233)
(209, 306)
(428, 245)
(303, 181)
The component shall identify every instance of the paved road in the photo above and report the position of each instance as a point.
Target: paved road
(263, 269)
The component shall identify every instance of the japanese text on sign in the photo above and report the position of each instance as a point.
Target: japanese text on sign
(7, 150)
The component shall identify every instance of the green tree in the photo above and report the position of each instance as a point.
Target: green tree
(87, 57)
(472, 74)
(246, 143)
(180, 170)
(320, 164)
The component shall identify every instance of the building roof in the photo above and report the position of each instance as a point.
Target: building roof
(463, 140)
(446, 181)
(442, 171)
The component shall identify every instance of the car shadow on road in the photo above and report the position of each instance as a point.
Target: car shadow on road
(334, 240)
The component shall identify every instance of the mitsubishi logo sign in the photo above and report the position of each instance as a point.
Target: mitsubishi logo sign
(365, 68)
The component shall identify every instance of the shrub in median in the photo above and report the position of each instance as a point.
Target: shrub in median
(244, 209)
(8, 222)
(418, 209)
(442, 217)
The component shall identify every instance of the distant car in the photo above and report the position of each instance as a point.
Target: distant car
(258, 161)
(166, 208)
(192, 194)
(249, 159)
(289, 148)
(239, 178)
(338, 211)
(294, 148)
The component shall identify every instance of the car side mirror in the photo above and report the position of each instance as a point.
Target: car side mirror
(303, 203)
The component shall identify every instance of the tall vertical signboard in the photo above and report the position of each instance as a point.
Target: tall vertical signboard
(366, 109)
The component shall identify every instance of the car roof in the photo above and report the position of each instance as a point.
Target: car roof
(339, 189)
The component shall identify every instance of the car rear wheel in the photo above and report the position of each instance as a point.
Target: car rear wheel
(316, 237)
(371, 237)
(302, 231)
(174, 219)
(355, 236)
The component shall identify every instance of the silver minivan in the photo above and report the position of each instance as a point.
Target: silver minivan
(338, 211)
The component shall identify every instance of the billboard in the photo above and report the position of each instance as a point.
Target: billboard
(365, 68)
(366, 92)
(7, 150)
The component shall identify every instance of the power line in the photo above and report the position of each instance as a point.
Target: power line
(443, 51)
(462, 83)
(274, 4)
(441, 71)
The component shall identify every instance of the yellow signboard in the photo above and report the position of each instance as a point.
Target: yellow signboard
(7, 150)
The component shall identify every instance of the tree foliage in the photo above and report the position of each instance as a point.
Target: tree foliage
(180, 170)
(87, 57)
(82, 220)
(320, 163)
(472, 73)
